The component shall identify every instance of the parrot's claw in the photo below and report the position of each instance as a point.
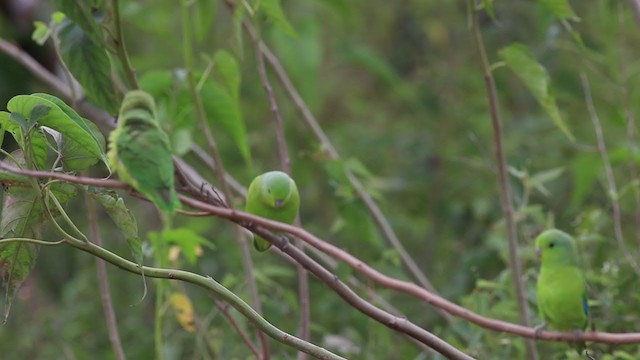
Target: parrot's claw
(538, 329)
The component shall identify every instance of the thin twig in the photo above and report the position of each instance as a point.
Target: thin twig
(285, 164)
(503, 181)
(103, 282)
(234, 324)
(219, 171)
(359, 266)
(611, 182)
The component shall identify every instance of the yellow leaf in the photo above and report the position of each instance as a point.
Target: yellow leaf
(184, 311)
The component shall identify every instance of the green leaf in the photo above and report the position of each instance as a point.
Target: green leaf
(17, 259)
(535, 77)
(13, 123)
(585, 170)
(82, 137)
(89, 64)
(185, 238)
(488, 6)
(40, 33)
(273, 11)
(205, 11)
(158, 83)
(58, 17)
(561, 9)
(222, 109)
(229, 71)
(81, 12)
(75, 157)
(538, 180)
(122, 217)
(20, 210)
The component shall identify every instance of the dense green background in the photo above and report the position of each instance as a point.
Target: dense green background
(398, 88)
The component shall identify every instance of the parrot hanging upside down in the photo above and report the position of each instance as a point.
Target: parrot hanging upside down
(141, 154)
(562, 299)
(272, 195)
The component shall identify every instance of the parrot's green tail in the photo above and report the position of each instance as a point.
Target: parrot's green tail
(260, 244)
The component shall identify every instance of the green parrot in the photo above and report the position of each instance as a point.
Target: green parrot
(273, 195)
(562, 293)
(141, 154)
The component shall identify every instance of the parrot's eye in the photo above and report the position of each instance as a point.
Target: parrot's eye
(551, 245)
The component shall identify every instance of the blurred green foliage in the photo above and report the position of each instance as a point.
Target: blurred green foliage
(398, 89)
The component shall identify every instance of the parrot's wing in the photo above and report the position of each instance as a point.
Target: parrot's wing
(146, 156)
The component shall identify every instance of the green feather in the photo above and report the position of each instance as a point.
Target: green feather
(141, 154)
(562, 292)
(273, 195)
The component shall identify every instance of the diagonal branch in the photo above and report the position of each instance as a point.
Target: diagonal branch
(358, 265)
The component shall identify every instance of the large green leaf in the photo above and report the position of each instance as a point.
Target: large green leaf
(535, 77)
(273, 10)
(221, 108)
(122, 217)
(82, 12)
(204, 14)
(229, 71)
(89, 64)
(85, 143)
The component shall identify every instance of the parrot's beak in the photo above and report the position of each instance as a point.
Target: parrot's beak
(279, 203)
(538, 251)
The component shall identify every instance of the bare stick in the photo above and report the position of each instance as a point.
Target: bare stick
(223, 307)
(103, 281)
(611, 182)
(503, 181)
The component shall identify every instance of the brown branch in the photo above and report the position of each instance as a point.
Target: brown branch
(613, 189)
(361, 267)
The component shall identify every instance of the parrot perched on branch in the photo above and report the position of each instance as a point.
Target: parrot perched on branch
(562, 293)
(141, 154)
(273, 195)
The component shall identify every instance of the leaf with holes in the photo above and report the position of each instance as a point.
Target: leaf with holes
(122, 217)
(20, 211)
